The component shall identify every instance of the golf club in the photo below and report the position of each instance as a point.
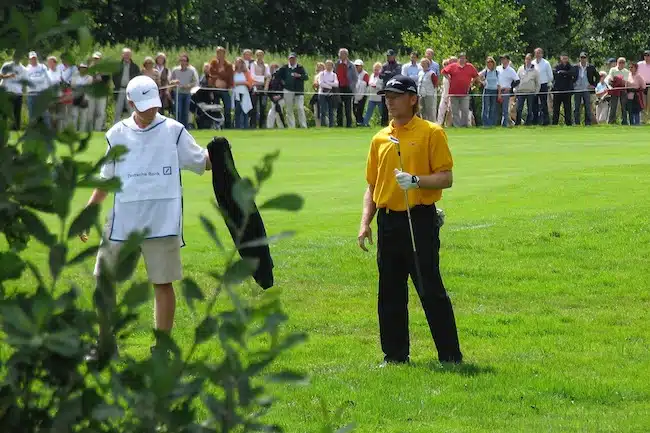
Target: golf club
(418, 274)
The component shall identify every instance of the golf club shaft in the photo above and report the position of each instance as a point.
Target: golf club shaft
(416, 262)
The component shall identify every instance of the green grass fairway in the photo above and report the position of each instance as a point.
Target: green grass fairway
(544, 253)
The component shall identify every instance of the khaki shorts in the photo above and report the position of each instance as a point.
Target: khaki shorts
(162, 257)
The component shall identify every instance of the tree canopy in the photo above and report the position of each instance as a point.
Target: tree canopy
(602, 27)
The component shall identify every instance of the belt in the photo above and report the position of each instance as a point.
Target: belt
(387, 211)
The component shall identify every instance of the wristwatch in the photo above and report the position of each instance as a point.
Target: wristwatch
(416, 180)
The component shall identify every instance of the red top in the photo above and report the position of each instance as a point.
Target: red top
(342, 74)
(460, 77)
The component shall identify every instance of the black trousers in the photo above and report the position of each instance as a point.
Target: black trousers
(396, 262)
(358, 110)
(346, 104)
(562, 99)
(384, 112)
(258, 113)
(540, 107)
(17, 107)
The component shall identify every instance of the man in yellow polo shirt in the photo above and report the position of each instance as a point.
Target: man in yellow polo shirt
(427, 170)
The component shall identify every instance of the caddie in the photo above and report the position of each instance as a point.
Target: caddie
(412, 155)
(151, 195)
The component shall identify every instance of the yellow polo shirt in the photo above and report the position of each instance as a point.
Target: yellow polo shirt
(424, 151)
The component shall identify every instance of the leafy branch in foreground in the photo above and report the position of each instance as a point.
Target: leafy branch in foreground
(46, 381)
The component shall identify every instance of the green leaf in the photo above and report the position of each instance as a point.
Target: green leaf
(267, 241)
(209, 227)
(105, 66)
(108, 185)
(105, 412)
(67, 414)
(290, 202)
(11, 266)
(15, 319)
(88, 252)
(84, 221)
(206, 329)
(192, 292)
(46, 19)
(137, 295)
(37, 228)
(240, 270)
(85, 39)
(65, 343)
(58, 254)
(243, 193)
(20, 23)
(128, 256)
(288, 376)
(263, 172)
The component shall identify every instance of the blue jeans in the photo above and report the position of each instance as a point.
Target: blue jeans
(241, 118)
(31, 107)
(635, 117)
(578, 100)
(489, 107)
(370, 110)
(529, 100)
(326, 110)
(183, 108)
(224, 96)
(505, 109)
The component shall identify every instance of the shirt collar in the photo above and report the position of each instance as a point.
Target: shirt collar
(130, 123)
(408, 126)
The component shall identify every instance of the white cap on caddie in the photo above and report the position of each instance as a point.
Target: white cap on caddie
(143, 92)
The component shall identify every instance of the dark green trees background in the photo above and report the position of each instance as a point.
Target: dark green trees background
(603, 27)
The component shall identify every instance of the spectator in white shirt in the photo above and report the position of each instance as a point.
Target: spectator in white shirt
(360, 91)
(261, 74)
(602, 101)
(427, 83)
(12, 74)
(313, 101)
(527, 89)
(38, 82)
(413, 68)
(328, 83)
(540, 107)
(375, 84)
(56, 109)
(80, 82)
(444, 107)
(508, 80)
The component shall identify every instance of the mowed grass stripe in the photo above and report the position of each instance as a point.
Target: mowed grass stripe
(544, 254)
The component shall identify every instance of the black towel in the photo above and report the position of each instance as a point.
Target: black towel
(223, 180)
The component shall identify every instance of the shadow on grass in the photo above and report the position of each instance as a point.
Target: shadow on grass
(465, 369)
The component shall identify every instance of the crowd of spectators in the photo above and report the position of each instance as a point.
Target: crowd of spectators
(342, 92)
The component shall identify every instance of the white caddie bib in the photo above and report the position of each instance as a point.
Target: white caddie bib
(151, 181)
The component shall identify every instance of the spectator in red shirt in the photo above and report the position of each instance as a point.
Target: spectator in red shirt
(347, 76)
(461, 75)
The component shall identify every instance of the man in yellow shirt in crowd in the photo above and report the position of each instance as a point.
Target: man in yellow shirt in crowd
(426, 171)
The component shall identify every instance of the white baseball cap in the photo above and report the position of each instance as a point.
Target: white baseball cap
(143, 92)
(97, 55)
(32, 54)
(358, 62)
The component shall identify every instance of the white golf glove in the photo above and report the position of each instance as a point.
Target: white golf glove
(406, 180)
